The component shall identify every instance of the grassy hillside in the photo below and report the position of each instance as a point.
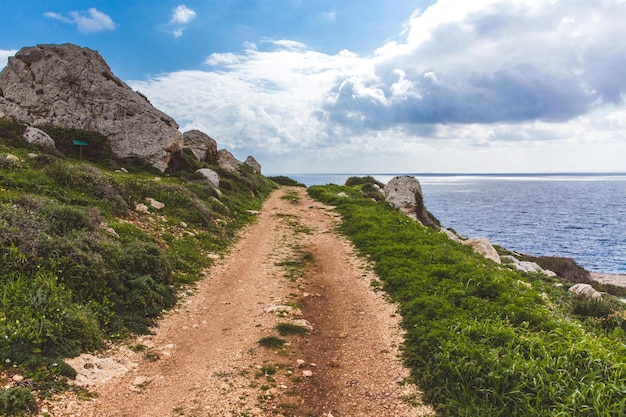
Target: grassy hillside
(79, 265)
(481, 339)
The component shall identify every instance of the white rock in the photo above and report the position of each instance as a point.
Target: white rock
(586, 290)
(155, 204)
(212, 178)
(141, 208)
(38, 137)
(483, 246)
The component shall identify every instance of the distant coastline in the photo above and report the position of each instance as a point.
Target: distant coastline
(316, 178)
(575, 215)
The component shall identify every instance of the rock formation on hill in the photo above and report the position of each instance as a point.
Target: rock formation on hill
(405, 193)
(73, 87)
(227, 161)
(200, 144)
(251, 162)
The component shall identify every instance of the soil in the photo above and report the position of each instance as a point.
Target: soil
(205, 357)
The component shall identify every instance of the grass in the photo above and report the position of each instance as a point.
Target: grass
(79, 266)
(271, 342)
(290, 329)
(483, 340)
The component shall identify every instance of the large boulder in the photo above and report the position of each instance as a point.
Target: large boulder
(200, 144)
(210, 177)
(483, 246)
(586, 291)
(36, 136)
(227, 161)
(405, 193)
(69, 86)
(251, 162)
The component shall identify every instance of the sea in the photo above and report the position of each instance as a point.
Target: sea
(579, 216)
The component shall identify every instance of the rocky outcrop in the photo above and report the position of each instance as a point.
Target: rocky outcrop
(36, 136)
(73, 87)
(405, 193)
(200, 144)
(483, 246)
(227, 161)
(251, 162)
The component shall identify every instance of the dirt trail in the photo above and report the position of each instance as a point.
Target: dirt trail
(205, 358)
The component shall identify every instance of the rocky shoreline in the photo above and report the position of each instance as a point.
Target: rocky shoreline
(619, 280)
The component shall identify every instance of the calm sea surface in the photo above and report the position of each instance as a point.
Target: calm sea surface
(577, 216)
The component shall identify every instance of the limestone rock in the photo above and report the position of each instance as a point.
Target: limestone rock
(211, 176)
(200, 144)
(36, 136)
(526, 266)
(405, 193)
(155, 204)
(12, 158)
(227, 161)
(73, 87)
(586, 290)
(483, 246)
(251, 162)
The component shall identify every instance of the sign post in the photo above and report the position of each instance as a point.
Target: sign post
(80, 144)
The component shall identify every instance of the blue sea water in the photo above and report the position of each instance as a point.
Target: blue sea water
(580, 216)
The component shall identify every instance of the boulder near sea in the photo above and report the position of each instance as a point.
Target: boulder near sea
(405, 193)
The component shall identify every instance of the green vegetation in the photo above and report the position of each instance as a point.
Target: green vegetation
(17, 402)
(483, 340)
(283, 180)
(271, 342)
(290, 329)
(80, 265)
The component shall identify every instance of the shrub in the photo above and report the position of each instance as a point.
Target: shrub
(98, 145)
(352, 181)
(284, 180)
(17, 402)
(271, 342)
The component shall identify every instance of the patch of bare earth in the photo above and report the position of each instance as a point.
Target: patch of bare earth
(204, 358)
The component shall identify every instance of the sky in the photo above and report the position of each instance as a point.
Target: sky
(365, 87)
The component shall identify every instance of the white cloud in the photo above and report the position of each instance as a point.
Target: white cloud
(4, 57)
(473, 86)
(87, 21)
(181, 16)
(222, 59)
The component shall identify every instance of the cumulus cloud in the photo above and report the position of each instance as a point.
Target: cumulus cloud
(496, 75)
(87, 21)
(492, 61)
(4, 56)
(181, 16)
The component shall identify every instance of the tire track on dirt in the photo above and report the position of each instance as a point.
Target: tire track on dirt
(209, 360)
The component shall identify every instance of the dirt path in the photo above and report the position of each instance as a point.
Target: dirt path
(205, 358)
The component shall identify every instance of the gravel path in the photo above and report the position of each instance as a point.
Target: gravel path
(205, 359)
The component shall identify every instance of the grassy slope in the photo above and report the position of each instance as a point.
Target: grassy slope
(482, 340)
(79, 266)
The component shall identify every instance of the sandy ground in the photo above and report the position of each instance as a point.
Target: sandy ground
(204, 358)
